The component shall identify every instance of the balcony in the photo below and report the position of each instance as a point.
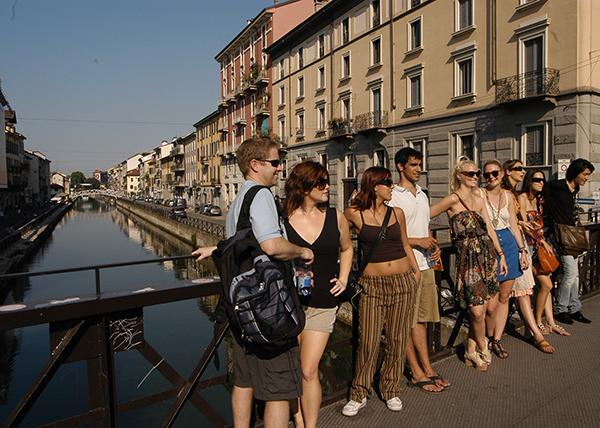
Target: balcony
(542, 83)
(223, 103)
(262, 77)
(239, 92)
(178, 167)
(261, 108)
(375, 121)
(299, 133)
(240, 120)
(177, 151)
(341, 128)
(179, 182)
(223, 127)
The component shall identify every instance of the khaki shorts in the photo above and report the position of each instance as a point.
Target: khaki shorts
(272, 379)
(426, 307)
(320, 319)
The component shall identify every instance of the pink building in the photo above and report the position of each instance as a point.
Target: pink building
(245, 76)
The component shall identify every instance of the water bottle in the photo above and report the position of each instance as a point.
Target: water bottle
(431, 262)
(303, 279)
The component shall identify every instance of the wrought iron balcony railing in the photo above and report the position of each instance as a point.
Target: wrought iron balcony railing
(341, 128)
(543, 82)
(369, 121)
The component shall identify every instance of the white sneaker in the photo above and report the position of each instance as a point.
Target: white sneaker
(352, 407)
(394, 404)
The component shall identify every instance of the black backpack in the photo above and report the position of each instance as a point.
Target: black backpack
(258, 293)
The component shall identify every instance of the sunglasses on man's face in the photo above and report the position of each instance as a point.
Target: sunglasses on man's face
(471, 174)
(517, 168)
(386, 182)
(274, 162)
(495, 173)
(538, 180)
(322, 183)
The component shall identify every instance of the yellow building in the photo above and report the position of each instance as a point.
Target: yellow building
(497, 79)
(208, 171)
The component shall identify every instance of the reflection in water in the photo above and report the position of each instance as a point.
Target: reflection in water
(97, 233)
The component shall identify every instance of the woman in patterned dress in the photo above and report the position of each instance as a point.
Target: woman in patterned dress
(531, 203)
(476, 248)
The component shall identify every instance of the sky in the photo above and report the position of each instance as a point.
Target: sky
(95, 81)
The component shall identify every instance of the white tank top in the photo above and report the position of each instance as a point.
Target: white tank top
(500, 219)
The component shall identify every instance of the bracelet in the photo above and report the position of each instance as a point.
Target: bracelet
(500, 253)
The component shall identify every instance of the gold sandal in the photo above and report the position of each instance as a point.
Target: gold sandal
(559, 329)
(544, 329)
(474, 360)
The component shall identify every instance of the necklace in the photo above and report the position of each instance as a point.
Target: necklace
(495, 214)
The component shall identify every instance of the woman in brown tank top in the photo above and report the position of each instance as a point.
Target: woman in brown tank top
(389, 282)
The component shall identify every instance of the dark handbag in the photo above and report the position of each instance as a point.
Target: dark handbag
(573, 239)
(353, 287)
(546, 261)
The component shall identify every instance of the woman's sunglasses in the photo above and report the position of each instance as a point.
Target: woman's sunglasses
(471, 173)
(538, 180)
(517, 168)
(495, 173)
(322, 183)
(386, 182)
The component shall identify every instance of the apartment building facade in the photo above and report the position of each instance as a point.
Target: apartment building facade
(208, 174)
(360, 79)
(245, 78)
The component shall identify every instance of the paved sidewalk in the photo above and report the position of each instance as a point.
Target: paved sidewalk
(529, 389)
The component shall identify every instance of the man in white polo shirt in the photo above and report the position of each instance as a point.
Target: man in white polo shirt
(409, 196)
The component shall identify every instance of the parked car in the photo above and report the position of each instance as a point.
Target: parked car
(177, 212)
(199, 208)
(180, 202)
(214, 210)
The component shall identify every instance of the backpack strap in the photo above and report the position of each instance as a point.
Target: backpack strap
(244, 216)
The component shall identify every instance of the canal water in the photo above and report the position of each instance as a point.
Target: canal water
(97, 233)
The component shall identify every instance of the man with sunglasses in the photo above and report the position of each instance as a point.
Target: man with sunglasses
(559, 208)
(274, 380)
(409, 196)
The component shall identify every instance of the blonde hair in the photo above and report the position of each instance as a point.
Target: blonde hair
(455, 181)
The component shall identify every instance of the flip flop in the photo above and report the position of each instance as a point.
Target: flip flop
(424, 383)
(438, 377)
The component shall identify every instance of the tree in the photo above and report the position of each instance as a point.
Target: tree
(76, 179)
(93, 182)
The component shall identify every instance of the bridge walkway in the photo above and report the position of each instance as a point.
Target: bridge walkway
(529, 389)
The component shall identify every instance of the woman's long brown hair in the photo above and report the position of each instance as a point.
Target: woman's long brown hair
(302, 179)
(365, 199)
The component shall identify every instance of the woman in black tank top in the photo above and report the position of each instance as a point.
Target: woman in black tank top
(310, 223)
(389, 290)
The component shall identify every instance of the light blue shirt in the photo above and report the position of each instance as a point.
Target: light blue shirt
(264, 218)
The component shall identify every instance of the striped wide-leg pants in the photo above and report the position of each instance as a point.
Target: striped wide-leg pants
(387, 303)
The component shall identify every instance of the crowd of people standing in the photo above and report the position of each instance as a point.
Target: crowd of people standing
(497, 232)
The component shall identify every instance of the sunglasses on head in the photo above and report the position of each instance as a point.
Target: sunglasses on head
(517, 168)
(274, 162)
(386, 182)
(321, 183)
(471, 173)
(538, 180)
(495, 173)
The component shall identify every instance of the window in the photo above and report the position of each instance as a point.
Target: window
(321, 45)
(376, 13)
(376, 100)
(349, 165)
(281, 69)
(345, 30)
(300, 58)
(414, 91)
(465, 146)
(346, 66)
(464, 77)
(321, 77)
(323, 159)
(301, 87)
(534, 144)
(376, 51)
(414, 36)
(321, 118)
(281, 95)
(379, 158)
(300, 124)
(532, 66)
(284, 169)
(419, 145)
(282, 133)
(414, 3)
(464, 14)
(346, 109)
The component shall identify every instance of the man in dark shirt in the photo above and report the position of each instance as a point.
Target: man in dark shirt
(559, 208)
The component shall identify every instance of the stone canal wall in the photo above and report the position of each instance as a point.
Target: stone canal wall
(22, 244)
(194, 232)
